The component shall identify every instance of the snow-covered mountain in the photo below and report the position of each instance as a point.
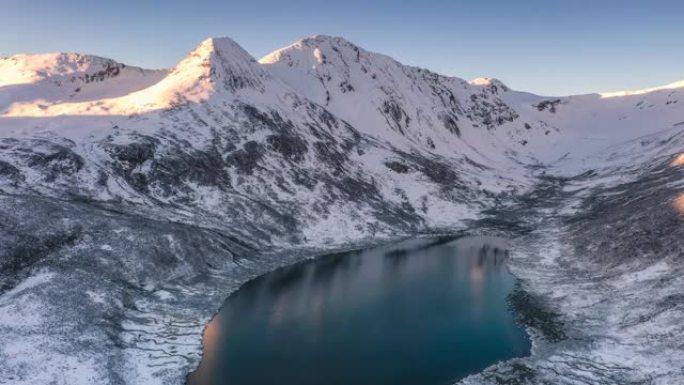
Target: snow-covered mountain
(140, 198)
(410, 107)
(40, 81)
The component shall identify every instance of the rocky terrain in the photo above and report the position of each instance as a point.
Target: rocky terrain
(134, 201)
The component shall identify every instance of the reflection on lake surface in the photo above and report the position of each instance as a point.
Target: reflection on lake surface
(421, 312)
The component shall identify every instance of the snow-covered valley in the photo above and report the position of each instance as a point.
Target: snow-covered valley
(134, 201)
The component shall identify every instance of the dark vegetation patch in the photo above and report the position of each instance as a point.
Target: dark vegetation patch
(437, 171)
(434, 168)
(630, 221)
(329, 153)
(28, 250)
(520, 217)
(397, 167)
(129, 156)
(138, 181)
(356, 189)
(63, 161)
(516, 373)
(497, 221)
(327, 118)
(7, 170)
(246, 159)
(304, 178)
(290, 146)
(134, 154)
(206, 168)
(533, 312)
(259, 120)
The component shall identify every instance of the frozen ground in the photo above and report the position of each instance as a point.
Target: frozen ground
(602, 277)
(134, 201)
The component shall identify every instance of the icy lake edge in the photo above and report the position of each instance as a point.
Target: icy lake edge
(528, 310)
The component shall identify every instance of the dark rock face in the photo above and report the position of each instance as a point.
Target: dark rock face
(490, 111)
(450, 124)
(549, 105)
(111, 70)
(395, 115)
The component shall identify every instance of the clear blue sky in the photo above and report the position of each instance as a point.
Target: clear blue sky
(548, 47)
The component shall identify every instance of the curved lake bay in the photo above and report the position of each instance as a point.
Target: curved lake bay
(426, 311)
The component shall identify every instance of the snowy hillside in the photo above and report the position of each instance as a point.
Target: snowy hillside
(409, 107)
(589, 123)
(133, 201)
(43, 80)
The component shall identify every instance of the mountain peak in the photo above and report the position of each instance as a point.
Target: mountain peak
(222, 45)
(220, 64)
(31, 68)
(489, 82)
(318, 39)
(317, 48)
(216, 67)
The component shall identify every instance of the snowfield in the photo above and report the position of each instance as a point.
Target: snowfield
(133, 201)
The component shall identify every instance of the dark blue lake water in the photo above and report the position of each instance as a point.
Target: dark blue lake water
(422, 312)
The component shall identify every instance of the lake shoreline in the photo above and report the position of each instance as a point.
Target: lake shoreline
(426, 241)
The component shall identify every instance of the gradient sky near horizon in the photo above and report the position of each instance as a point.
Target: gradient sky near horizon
(546, 47)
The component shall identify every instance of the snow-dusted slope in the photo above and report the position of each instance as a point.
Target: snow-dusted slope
(672, 86)
(215, 65)
(221, 108)
(588, 123)
(481, 119)
(140, 198)
(407, 106)
(44, 80)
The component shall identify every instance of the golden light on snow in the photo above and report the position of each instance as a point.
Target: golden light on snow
(678, 203)
(670, 86)
(678, 161)
(189, 82)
